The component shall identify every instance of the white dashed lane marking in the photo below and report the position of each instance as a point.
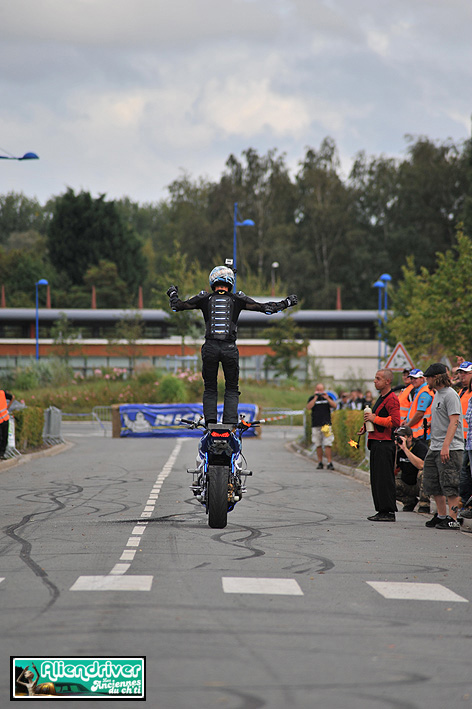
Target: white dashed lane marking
(279, 587)
(116, 579)
(416, 591)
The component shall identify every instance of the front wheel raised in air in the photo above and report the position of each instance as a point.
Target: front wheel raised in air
(217, 496)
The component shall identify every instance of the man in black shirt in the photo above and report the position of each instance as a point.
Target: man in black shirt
(320, 405)
(411, 453)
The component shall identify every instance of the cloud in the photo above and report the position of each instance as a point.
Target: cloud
(117, 95)
(125, 23)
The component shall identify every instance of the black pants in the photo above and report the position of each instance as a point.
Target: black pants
(214, 352)
(382, 475)
(3, 437)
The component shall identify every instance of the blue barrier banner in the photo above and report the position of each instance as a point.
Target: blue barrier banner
(150, 420)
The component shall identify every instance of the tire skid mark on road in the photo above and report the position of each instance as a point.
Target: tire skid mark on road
(324, 564)
(115, 579)
(255, 492)
(247, 543)
(25, 556)
(85, 495)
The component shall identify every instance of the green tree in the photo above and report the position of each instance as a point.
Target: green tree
(111, 290)
(129, 329)
(324, 217)
(187, 223)
(65, 336)
(84, 231)
(20, 214)
(431, 307)
(20, 269)
(190, 279)
(430, 197)
(286, 344)
(265, 193)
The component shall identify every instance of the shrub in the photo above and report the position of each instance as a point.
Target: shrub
(45, 372)
(171, 390)
(346, 423)
(147, 376)
(193, 384)
(308, 432)
(29, 424)
(26, 379)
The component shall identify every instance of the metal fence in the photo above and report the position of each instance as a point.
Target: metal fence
(52, 430)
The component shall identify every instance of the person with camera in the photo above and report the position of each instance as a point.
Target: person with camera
(411, 453)
(320, 405)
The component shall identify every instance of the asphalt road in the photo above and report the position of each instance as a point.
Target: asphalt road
(104, 551)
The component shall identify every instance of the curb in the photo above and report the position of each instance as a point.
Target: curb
(47, 452)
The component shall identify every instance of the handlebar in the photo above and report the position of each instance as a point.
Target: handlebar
(193, 424)
(241, 426)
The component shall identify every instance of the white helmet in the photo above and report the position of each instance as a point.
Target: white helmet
(222, 274)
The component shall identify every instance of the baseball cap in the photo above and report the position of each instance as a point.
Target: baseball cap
(434, 369)
(403, 431)
(465, 367)
(416, 373)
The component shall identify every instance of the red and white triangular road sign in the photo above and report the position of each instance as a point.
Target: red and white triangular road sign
(399, 359)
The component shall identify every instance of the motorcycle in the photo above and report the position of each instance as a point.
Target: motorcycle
(218, 476)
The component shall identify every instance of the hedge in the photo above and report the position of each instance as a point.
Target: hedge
(29, 424)
(346, 423)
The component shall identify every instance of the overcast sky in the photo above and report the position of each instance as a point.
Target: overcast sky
(119, 96)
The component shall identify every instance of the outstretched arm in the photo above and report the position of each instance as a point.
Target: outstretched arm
(176, 304)
(271, 307)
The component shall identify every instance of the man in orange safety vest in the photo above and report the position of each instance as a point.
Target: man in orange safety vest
(5, 401)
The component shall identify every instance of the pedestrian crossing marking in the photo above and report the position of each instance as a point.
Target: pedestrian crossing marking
(113, 583)
(269, 586)
(416, 591)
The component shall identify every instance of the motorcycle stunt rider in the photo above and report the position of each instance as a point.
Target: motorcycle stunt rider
(221, 309)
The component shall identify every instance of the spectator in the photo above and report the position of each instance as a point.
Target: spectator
(355, 400)
(468, 444)
(465, 485)
(419, 413)
(6, 400)
(368, 398)
(456, 378)
(404, 394)
(320, 405)
(343, 401)
(442, 465)
(386, 417)
(411, 453)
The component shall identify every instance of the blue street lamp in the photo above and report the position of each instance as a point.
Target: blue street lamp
(379, 285)
(385, 278)
(41, 282)
(246, 222)
(26, 156)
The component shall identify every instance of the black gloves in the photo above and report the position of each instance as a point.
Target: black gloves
(271, 308)
(290, 301)
(173, 293)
